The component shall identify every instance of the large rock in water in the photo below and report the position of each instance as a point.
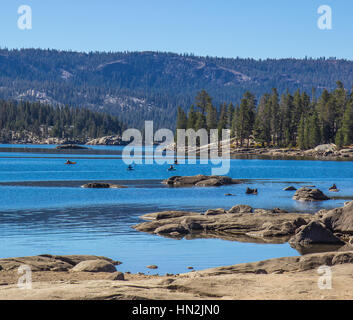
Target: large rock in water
(94, 266)
(314, 233)
(199, 181)
(340, 220)
(307, 194)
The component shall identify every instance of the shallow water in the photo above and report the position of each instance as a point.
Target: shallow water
(44, 210)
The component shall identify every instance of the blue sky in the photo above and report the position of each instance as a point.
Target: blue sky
(225, 28)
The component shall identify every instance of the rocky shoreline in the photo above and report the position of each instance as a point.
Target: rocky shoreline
(88, 277)
(304, 232)
(326, 153)
(321, 152)
(30, 138)
(94, 278)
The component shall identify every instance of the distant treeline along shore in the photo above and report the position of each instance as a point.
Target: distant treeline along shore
(17, 119)
(299, 120)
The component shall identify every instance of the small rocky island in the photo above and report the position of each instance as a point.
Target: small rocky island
(199, 181)
(102, 185)
(71, 147)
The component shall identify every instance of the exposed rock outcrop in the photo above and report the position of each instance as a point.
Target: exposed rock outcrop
(50, 262)
(333, 227)
(314, 233)
(280, 278)
(97, 265)
(215, 212)
(261, 226)
(340, 220)
(307, 194)
(108, 140)
(329, 151)
(199, 181)
(241, 208)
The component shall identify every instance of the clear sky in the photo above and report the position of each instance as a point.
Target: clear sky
(225, 28)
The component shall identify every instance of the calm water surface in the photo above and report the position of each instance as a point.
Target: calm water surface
(44, 210)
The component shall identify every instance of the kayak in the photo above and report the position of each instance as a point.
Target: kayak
(70, 162)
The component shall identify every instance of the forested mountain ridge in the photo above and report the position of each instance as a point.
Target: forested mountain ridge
(138, 86)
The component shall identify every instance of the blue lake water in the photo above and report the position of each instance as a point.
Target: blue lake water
(43, 209)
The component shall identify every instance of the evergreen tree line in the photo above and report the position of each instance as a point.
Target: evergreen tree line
(62, 122)
(299, 120)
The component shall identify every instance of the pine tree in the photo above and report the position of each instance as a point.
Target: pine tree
(230, 113)
(262, 127)
(181, 119)
(211, 117)
(223, 120)
(200, 121)
(192, 116)
(301, 133)
(339, 139)
(203, 100)
(275, 116)
(314, 135)
(347, 125)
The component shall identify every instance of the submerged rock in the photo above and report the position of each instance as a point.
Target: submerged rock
(251, 191)
(102, 185)
(291, 188)
(153, 267)
(307, 194)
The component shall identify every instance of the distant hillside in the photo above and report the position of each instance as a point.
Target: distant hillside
(35, 122)
(140, 86)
